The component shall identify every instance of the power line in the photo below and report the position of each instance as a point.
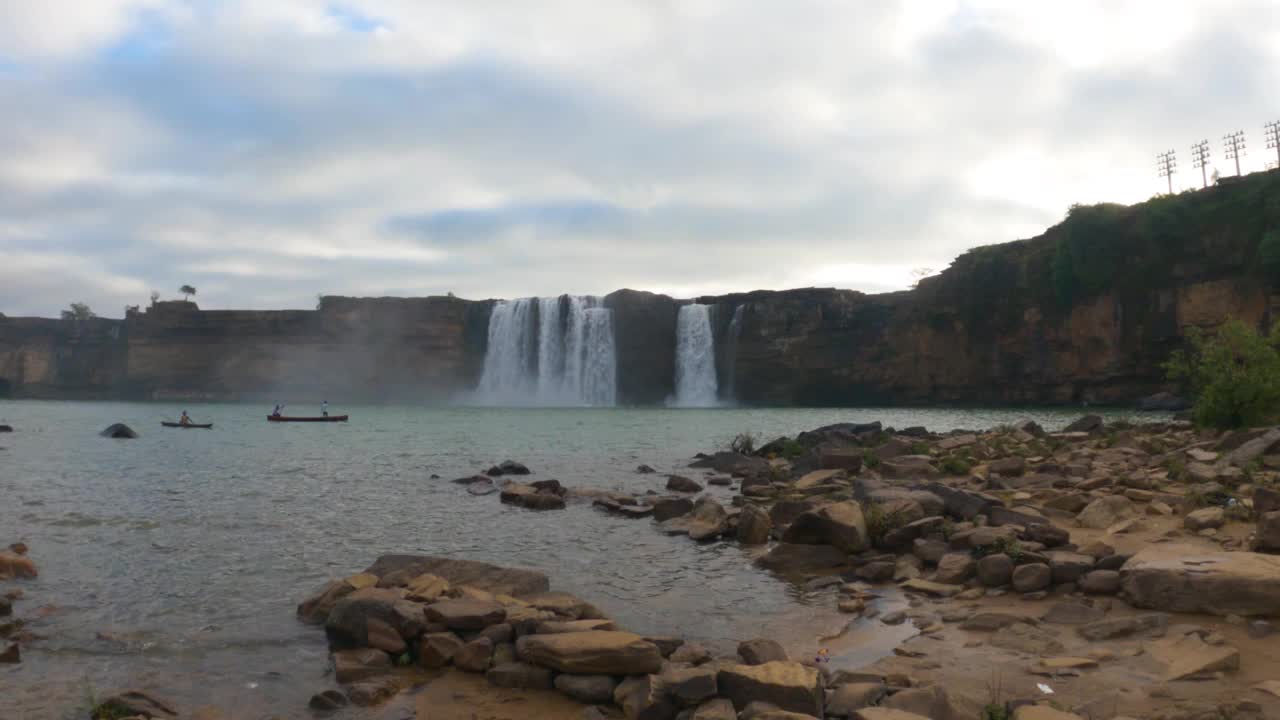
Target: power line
(1234, 144)
(1167, 165)
(1272, 130)
(1200, 157)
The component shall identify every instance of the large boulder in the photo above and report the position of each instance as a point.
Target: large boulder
(1252, 450)
(591, 689)
(1105, 512)
(642, 697)
(530, 497)
(786, 685)
(1087, 424)
(478, 575)
(1183, 578)
(348, 624)
(597, 652)
(359, 664)
(1267, 537)
(840, 525)
(689, 686)
(964, 504)
(760, 651)
(754, 525)
(465, 614)
(707, 520)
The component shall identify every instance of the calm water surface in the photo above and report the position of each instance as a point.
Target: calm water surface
(174, 561)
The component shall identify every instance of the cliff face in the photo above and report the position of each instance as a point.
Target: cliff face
(1086, 311)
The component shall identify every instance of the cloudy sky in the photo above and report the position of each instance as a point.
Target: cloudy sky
(266, 152)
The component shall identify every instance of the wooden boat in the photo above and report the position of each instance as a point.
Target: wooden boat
(321, 418)
(204, 426)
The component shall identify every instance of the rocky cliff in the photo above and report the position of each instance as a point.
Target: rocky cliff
(1085, 312)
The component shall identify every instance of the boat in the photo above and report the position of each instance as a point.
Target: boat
(202, 426)
(321, 418)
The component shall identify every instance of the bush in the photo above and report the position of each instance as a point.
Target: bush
(1232, 375)
(880, 523)
(1086, 257)
(1269, 256)
(744, 443)
(870, 460)
(953, 465)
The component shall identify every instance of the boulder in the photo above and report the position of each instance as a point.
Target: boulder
(1252, 450)
(475, 656)
(1068, 567)
(134, 703)
(359, 664)
(642, 697)
(1189, 656)
(518, 675)
(708, 520)
(1105, 512)
(689, 686)
(995, 570)
(964, 504)
(1086, 424)
(11, 654)
(1032, 577)
(426, 588)
(786, 685)
(1267, 536)
(840, 525)
(1265, 499)
(384, 637)
(1183, 578)
(507, 467)
(931, 702)
(811, 559)
(715, 709)
(680, 483)
(327, 700)
(347, 625)
(478, 575)
(844, 700)
(847, 459)
(1015, 465)
(6, 428)
(596, 652)
(754, 525)
(760, 651)
(119, 431)
(884, 713)
(435, 650)
(690, 653)
(955, 568)
(466, 614)
(667, 508)
(1100, 582)
(13, 565)
(530, 497)
(590, 689)
(1204, 518)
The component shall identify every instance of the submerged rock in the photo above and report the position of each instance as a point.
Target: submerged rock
(507, 467)
(134, 703)
(119, 431)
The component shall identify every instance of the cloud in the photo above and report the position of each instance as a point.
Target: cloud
(266, 152)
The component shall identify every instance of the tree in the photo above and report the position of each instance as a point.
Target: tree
(155, 296)
(187, 291)
(1269, 255)
(1232, 375)
(79, 311)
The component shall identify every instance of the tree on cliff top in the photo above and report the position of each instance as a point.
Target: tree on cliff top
(1232, 375)
(187, 291)
(79, 311)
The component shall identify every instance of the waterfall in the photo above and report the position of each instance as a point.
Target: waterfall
(731, 355)
(695, 357)
(564, 356)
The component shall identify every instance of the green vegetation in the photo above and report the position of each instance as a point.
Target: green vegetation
(1232, 375)
(1002, 546)
(955, 465)
(880, 523)
(993, 711)
(918, 448)
(1086, 258)
(1269, 256)
(187, 291)
(744, 443)
(790, 448)
(870, 459)
(79, 311)
(109, 711)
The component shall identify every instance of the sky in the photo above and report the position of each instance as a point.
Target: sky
(270, 152)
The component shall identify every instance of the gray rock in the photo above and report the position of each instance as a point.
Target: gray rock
(1072, 613)
(840, 525)
(671, 507)
(119, 431)
(1184, 578)
(1105, 512)
(587, 688)
(1100, 582)
(689, 686)
(1068, 567)
(680, 483)
(1209, 517)
(760, 651)
(995, 570)
(929, 551)
(754, 525)
(1032, 577)
(845, 699)
(955, 568)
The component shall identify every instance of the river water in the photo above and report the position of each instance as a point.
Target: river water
(175, 561)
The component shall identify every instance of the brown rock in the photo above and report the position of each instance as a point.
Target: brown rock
(1028, 639)
(707, 520)
(849, 697)
(1267, 536)
(955, 568)
(1100, 582)
(761, 651)
(518, 675)
(382, 636)
(671, 507)
(1032, 577)
(1042, 712)
(371, 692)
(435, 650)
(466, 614)
(1188, 656)
(347, 625)
(995, 570)
(1183, 578)
(426, 588)
(1105, 512)
(931, 702)
(689, 686)
(754, 525)
(787, 685)
(597, 652)
(469, 573)
(883, 713)
(475, 656)
(131, 703)
(316, 608)
(1210, 517)
(840, 525)
(354, 665)
(587, 688)
(715, 709)
(11, 655)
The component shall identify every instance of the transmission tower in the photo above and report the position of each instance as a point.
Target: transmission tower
(1272, 130)
(1200, 156)
(1167, 165)
(1234, 143)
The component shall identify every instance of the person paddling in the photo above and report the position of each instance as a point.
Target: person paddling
(324, 408)
(185, 419)
(276, 411)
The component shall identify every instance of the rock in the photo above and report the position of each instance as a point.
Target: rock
(732, 463)
(382, 636)
(520, 676)
(435, 650)
(689, 686)
(1028, 639)
(466, 614)
(931, 702)
(964, 504)
(707, 520)
(787, 685)
(530, 497)
(426, 588)
(715, 709)
(596, 652)
(1087, 424)
(690, 653)
(1265, 500)
(481, 576)
(847, 459)
(475, 656)
(1163, 401)
(877, 571)
(499, 634)
(1072, 613)
(642, 697)
(587, 688)
(1105, 512)
(354, 665)
(760, 651)
(134, 703)
(327, 700)
(908, 467)
(1068, 567)
(955, 568)
(11, 655)
(13, 565)
(348, 623)
(6, 428)
(1070, 502)
(1015, 465)
(671, 507)
(315, 609)
(645, 469)
(995, 570)
(929, 551)
(1252, 450)
(6, 606)
(680, 483)
(1043, 712)
(1258, 629)
(119, 431)
(1100, 582)
(1182, 578)
(507, 467)
(840, 525)
(754, 525)
(1267, 536)
(933, 589)
(990, 621)
(551, 627)
(372, 692)
(1209, 517)
(1188, 656)
(847, 698)
(883, 713)
(1032, 577)
(1149, 623)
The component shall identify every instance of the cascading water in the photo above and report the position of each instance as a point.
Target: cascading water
(695, 357)
(563, 356)
(731, 355)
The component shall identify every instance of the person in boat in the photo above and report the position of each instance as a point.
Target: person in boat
(324, 408)
(275, 412)
(185, 419)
